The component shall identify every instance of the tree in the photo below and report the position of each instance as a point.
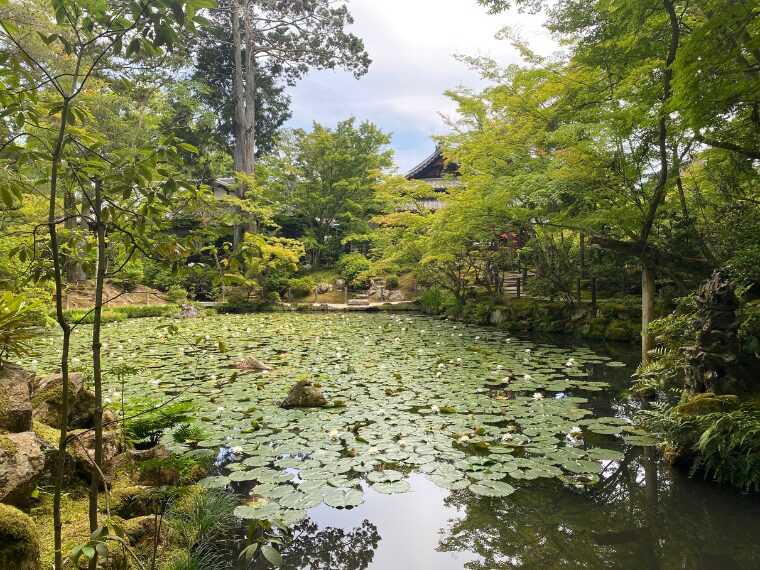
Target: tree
(325, 179)
(59, 61)
(598, 140)
(291, 38)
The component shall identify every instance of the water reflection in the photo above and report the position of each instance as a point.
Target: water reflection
(640, 516)
(331, 548)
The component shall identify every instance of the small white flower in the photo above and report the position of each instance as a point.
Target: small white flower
(213, 377)
(438, 374)
(527, 377)
(372, 451)
(441, 365)
(538, 396)
(334, 434)
(527, 350)
(237, 450)
(220, 409)
(464, 439)
(506, 437)
(401, 443)
(575, 431)
(477, 338)
(459, 361)
(435, 409)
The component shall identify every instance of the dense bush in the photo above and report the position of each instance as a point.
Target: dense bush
(351, 267)
(301, 286)
(147, 426)
(176, 294)
(19, 320)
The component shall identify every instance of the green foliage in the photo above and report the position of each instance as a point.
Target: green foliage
(202, 524)
(115, 314)
(432, 299)
(19, 324)
(729, 447)
(301, 286)
(146, 422)
(353, 269)
(176, 294)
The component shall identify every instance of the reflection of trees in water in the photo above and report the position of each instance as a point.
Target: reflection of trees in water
(331, 548)
(626, 521)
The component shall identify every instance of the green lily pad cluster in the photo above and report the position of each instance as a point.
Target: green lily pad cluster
(470, 408)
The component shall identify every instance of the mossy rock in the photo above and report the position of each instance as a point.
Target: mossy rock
(47, 401)
(19, 545)
(132, 501)
(621, 330)
(598, 325)
(47, 433)
(706, 403)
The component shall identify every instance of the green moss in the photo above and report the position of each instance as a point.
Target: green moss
(706, 403)
(46, 433)
(7, 446)
(19, 545)
(52, 393)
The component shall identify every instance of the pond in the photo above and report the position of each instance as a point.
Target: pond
(443, 446)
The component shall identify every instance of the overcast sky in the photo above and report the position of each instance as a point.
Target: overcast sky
(412, 44)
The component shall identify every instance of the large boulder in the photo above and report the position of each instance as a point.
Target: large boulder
(82, 448)
(304, 395)
(22, 463)
(19, 545)
(47, 401)
(15, 398)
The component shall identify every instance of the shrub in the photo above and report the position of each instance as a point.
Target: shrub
(432, 299)
(351, 265)
(19, 320)
(176, 294)
(301, 286)
(130, 276)
(148, 427)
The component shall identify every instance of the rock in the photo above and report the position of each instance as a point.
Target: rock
(340, 283)
(394, 296)
(82, 449)
(19, 545)
(132, 501)
(141, 530)
(23, 457)
(358, 302)
(188, 311)
(154, 467)
(47, 401)
(324, 288)
(706, 403)
(304, 395)
(715, 363)
(15, 398)
(251, 364)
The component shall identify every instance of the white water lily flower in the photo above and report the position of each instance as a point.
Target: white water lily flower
(237, 450)
(438, 374)
(527, 377)
(208, 337)
(477, 338)
(459, 360)
(334, 434)
(464, 439)
(499, 367)
(538, 396)
(401, 443)
(575, 431)
(440, 365)
(506, 437)
(213, 377)
(435, 409)
(220, 409)
(372, 451)
(527, 350)
(508, 340)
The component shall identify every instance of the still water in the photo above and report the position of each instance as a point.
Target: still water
(457, 447)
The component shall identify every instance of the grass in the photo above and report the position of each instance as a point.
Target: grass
(113, 314)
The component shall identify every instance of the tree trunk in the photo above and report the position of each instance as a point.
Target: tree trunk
(60, 461)
(74, 271)
(648, 289)
(97, 371)
(238, 99)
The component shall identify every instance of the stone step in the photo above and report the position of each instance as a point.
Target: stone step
(358, 302)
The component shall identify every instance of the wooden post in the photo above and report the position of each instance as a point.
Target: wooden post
(316, 288)
(593, 291)
(345, 294)
(578, 288)
(518, 281)
(525, 274)
(147, 298)
(382, 293)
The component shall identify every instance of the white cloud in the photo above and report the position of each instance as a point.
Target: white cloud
(412, 44)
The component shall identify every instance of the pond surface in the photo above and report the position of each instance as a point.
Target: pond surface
(445, 446)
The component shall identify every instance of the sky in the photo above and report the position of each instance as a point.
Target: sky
(412, 44)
